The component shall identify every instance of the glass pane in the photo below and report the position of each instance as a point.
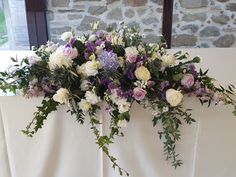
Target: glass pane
(13, 25)
(77, 15)
(204, 23)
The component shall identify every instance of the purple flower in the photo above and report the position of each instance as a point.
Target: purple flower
(128, 93)
(131, 75)
(108, 60)
(72, 40)
(139, 94)
(99, 42)
(112, 85)
(164, 85)
(90, 48)
(193, 70)
(99, 33)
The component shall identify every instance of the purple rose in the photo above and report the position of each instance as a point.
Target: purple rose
(71, 52)
(164, 85)
(132, 58)
(139, 93)
(188, 80)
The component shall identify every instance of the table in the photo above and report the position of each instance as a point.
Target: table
(64, 148)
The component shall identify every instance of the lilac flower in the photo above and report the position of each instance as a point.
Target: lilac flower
(72, 40)
(99, 42)
(90, 48)
(193, 70)
(164, 85)
(128, 93)
(108, 60)
(131, 75)
(112, 85)
(99, 33)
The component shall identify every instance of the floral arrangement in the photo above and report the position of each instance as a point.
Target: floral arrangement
(115, 67)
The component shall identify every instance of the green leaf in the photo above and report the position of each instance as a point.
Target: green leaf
(178, 77)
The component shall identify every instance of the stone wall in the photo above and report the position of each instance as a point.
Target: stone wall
(196, 23)
(64, 15)
(204, 23)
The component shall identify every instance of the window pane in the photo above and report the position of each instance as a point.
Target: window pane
(77, 15)
(204, 23)
(13, 25)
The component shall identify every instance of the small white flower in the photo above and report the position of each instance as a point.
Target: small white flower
(66, 36)
(61, 96)
(84, 105)
(165, 109)
(82, 39)
(122, 123)
(123, 105)
(92, 97)
(174, 97)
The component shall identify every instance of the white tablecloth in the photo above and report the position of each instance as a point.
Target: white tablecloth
(63, 148)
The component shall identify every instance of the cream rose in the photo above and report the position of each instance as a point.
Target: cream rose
(174, 97)
(61, 96)
(142, 73)
(168, 60)
(58, 59)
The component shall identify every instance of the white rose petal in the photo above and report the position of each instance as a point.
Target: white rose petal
(174, 97)
(66, 36)
(91, 97)
(61, 96)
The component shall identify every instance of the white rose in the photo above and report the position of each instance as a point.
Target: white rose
(84, 105)
(61, 96)
(59, 59)
(34, 59)
(122, 123)
(174, 97)
(92, 38)
(91, 68)
(168, 60)
(66, 36)
(91, 97)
